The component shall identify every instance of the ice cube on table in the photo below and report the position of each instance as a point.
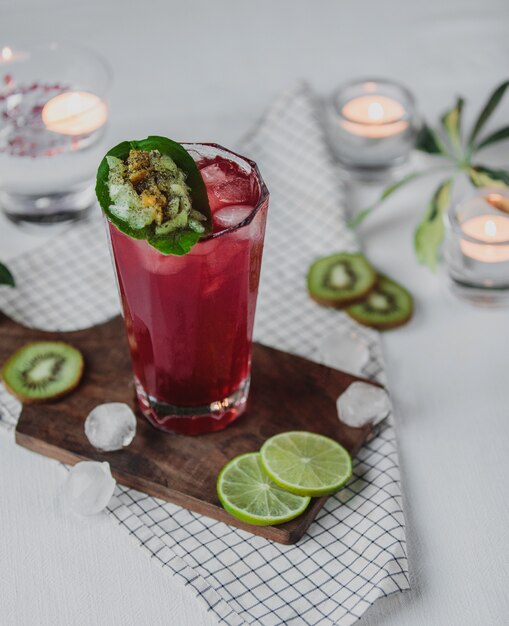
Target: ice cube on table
(229, 216)
(88, 487)
(227, 183)
(110, 426)
(344, 350)
(363, 404)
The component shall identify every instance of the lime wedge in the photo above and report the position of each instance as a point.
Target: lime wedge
(247, 493)
(306, 464)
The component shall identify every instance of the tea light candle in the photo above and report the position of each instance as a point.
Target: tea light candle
(490, 229)
(75, 113)
(477, 247)
(374, 116)
(371, 124)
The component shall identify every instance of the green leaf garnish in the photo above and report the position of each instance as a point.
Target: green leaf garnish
(498, 135)
(486, 112)
(430, 232)
(429, 141)
(451, 122)
(486, 177)
(178, 241)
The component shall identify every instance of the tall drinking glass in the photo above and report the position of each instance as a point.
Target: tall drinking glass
(189, 319)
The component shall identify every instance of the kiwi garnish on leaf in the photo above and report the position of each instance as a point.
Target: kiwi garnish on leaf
(388, 305)
(340, 279)
(43, 371)
(152, 189)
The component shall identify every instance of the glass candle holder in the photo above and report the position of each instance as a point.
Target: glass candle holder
(477, 247)
(53, 116)
(371, 124)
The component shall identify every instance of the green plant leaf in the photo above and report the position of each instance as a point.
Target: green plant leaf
(178, 242)
(430, 232)
(388, 191)
(498, 135)
(486, 112)
(429, 141)
(6, 278)
(486, 177)
(451, 123)
(356, 220)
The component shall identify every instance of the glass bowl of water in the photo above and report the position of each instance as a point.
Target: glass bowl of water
(53, 118)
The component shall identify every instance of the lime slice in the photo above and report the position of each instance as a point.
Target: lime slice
(305, 463)
(247, 493)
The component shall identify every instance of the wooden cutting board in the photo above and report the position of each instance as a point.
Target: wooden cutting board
(287, 393)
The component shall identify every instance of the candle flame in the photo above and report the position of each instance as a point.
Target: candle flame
(6, 54)
(74, 104)
(490, 228)
(375, 111)
(498, 202)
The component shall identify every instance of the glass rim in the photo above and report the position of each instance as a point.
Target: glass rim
(264, 192)
(20, 47)
(409, 104)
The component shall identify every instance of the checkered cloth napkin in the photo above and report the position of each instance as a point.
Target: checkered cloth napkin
(355, 551)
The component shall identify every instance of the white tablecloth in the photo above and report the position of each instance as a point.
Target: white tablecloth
(446, 370)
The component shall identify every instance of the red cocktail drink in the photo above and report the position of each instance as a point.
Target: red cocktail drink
(189, 319)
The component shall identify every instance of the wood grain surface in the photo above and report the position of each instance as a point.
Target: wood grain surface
(287, 393)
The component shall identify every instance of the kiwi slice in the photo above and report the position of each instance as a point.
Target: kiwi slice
(388, 305)
(340, 279)
(43, 371)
